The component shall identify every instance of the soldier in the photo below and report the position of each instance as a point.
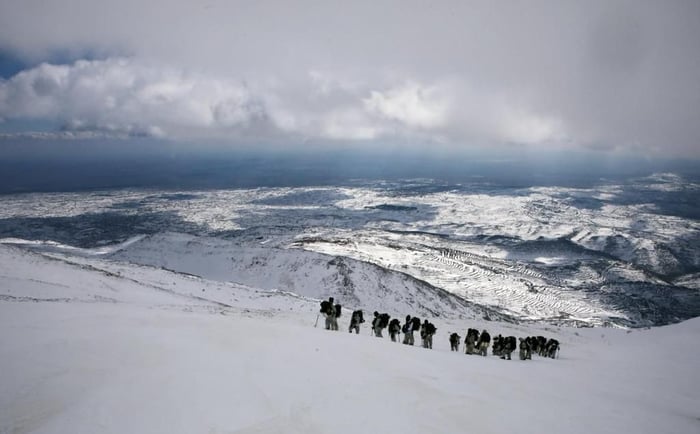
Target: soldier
(427, 331)
(525, 351)
(508, 347)
(483, 343)
(375, 325)
(454, 342)
(379, 323)
(471, 340)
(541, 345)
(355, 321)
(337, 310)
(497, 347)
(551, 348)
(416, 323)
(328, 311)
(407, 330)
(394, 329)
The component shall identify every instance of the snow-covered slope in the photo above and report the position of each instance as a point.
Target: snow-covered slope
(92, 345)
(56, 277)
(359, 284)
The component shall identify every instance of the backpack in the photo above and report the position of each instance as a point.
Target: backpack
(324, 306)
(406, 328)
(416, 323)
(338, 311)
(384, 320)
(357, 317)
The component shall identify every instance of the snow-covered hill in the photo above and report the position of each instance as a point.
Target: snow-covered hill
(59, 278)
(360, 284)
(90, 344)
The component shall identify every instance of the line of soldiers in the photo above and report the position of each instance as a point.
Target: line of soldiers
(539, 345)
(478, 343)
(475, 342)
(381, 321)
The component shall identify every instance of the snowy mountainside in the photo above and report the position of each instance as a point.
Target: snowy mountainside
(617, 253)
(91, 344)
(359, 285)
(568, 284)
(27, 276)
(513, 287)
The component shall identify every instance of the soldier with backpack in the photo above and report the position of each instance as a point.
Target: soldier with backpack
(508, 347)
(427, 331)
(355, 321)
(525, 350)
(540, 344)
(407, 330)
(497, 347)
(328, 311)
(379, 323)
(483, 343)
(337, 310)
(394, 329)
(416, 324)
(454, 342)
(551, 348)
(470, 341)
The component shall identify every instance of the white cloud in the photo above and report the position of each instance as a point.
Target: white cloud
(124, 95)
(349, 124)
(411, 104)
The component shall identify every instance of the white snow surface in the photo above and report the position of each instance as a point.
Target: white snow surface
(92, 345)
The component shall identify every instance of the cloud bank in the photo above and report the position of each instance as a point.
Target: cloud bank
(124, 96)
(605, 75)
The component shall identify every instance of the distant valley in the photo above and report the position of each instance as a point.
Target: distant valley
(617, 254)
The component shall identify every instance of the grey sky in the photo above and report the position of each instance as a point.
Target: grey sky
(610, 75)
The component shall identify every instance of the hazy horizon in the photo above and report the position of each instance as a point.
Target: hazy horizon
(144, 163)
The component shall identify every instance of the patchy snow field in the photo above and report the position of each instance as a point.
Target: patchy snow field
(622, 254)
(89, 347)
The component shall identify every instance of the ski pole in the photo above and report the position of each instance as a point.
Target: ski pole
(316, 323)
